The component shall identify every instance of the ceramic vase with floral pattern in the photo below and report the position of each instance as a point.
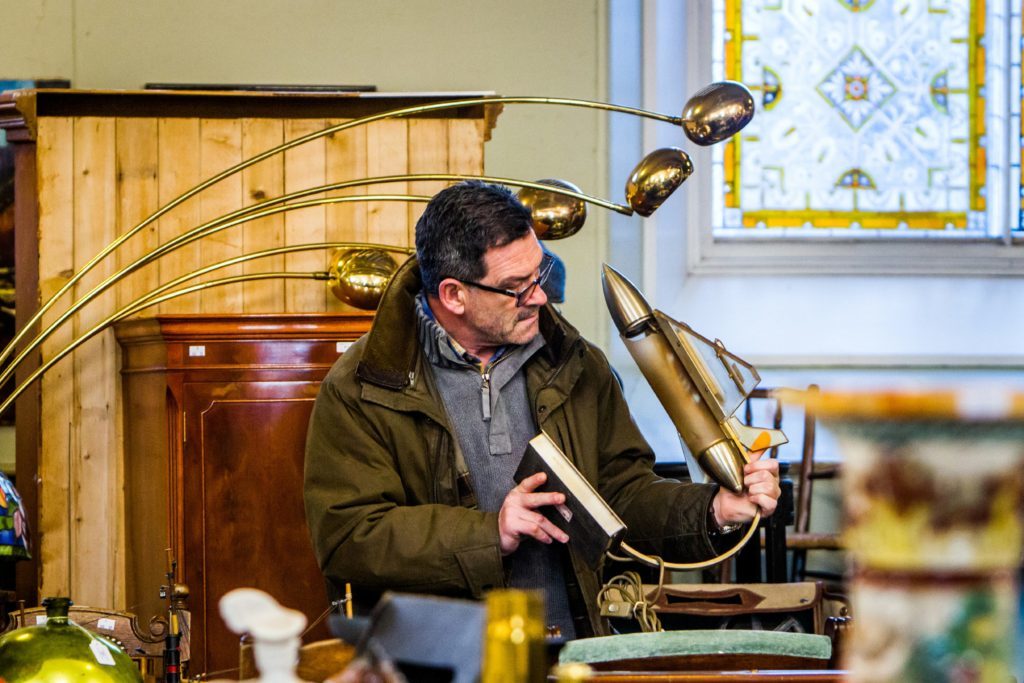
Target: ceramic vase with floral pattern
(932, 490)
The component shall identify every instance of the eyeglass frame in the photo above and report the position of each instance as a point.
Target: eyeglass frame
(547, 264)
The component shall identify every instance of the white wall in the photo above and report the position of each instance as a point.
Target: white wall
(874, 330)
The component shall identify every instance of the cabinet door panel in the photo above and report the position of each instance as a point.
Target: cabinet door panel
(245, 522)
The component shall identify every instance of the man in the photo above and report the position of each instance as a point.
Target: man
(419, 427)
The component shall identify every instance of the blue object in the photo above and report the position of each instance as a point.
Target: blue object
(13, 523)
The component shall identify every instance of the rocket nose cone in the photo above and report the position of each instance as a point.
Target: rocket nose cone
(724, 464)
(626, 305)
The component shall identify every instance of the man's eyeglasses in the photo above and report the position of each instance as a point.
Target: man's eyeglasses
(522, 295)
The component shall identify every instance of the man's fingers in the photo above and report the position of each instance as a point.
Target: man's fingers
(536, 500)
(755, 455)
(538, 526)
(531, 483)
(766, 503)
(758, 477)
(768, 465)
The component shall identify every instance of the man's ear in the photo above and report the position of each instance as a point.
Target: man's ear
(452, 296)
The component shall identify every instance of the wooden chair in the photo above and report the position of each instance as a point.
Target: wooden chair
(318, 660)
(800, 539)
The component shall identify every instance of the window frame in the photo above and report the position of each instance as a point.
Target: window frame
(906, 253)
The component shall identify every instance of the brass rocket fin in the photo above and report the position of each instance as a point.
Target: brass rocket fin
(756, 438)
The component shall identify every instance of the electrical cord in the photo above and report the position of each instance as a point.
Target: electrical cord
(654, 561)
(623, 596)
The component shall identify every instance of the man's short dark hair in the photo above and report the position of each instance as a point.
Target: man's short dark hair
(460, 224)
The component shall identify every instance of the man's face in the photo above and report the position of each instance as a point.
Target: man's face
(493, 317)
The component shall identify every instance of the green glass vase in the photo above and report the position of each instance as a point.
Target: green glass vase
(60, 651)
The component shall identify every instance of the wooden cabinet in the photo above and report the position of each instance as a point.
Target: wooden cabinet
(91, 166)
(215, 417)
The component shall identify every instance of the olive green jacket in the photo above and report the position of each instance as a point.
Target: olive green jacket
(386, 506)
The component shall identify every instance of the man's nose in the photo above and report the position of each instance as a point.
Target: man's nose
(538, 297)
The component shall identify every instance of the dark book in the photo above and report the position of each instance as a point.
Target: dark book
(592, 526)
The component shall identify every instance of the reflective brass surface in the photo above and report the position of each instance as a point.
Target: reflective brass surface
(238, 217)
(717, 112)
(164, 293)
(555, 216)
(61, 651)
(690, 415)
(656, 177)
(684, 382)
(664, 363)
(723, 462)
(359, 276)
(143, 303)
(31, 324)
(627, 306)
(514, 645)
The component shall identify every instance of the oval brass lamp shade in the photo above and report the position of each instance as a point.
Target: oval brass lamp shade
(358, 277)
(717, 112)
(656, 177)
(555, 216)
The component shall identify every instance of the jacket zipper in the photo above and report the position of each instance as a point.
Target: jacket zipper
(485, 395)
(485, 389)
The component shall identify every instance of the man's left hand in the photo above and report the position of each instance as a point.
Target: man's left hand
(761, 492)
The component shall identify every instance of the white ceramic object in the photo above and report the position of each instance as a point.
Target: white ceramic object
(275, 631)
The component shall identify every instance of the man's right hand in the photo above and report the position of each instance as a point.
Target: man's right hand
(518, 516)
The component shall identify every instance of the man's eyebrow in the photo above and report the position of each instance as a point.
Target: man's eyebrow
(511, 281)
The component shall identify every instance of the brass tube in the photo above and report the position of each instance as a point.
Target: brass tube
(235, 260)
(395, 113)
(255, 212)
(140, 304)
(181, 240)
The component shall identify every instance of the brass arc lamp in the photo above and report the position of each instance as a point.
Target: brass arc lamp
(720, 110)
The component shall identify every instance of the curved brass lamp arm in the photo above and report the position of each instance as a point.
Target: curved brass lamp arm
(275, 205)
(275, 251)
(190, 236)
(252, 213)
(395, 113)
(143, 303)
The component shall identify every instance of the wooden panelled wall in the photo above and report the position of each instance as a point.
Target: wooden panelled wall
(97, 177)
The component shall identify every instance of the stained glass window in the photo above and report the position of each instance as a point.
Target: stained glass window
(872, 118)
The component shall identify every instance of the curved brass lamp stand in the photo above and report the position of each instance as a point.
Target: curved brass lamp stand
(158, 295)
(710, 116)
(395, 113)
(192, 235)
(273, 206)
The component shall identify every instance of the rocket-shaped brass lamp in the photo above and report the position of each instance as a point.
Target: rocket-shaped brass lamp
(699, 383)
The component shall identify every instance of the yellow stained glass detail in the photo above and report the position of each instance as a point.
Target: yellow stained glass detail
(893, 89)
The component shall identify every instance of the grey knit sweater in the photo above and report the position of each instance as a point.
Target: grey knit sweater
(490, 411)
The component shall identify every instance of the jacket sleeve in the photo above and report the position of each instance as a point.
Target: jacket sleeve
(664, 516)
(370, 528)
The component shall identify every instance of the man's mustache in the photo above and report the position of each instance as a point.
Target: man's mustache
(527, 313)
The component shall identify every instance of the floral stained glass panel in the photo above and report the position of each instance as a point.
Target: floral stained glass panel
(871, 117)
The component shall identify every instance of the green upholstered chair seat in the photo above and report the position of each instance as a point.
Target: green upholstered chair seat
(684, 650)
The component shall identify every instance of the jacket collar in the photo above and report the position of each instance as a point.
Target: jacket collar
(393, 348)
